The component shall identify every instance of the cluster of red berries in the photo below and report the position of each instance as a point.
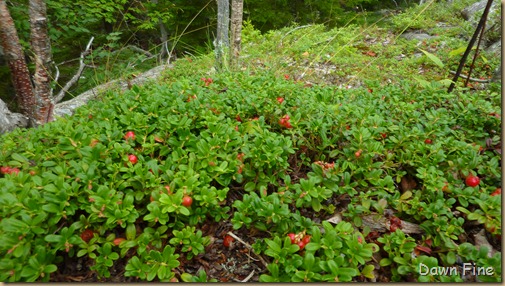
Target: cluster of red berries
(207, 81)
(8, 170)
(325, 165)
(130, 135)
(300, 239)
(284, 121)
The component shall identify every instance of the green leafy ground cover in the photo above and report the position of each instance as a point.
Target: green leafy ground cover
(263, 153)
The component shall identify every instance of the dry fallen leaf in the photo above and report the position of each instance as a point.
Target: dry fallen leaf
(335, 219)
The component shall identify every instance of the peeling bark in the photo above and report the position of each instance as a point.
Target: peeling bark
(237, 9)
(223, 25)
(15, 58)
(42, 54)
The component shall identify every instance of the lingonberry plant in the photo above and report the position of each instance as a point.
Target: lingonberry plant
(274, 169)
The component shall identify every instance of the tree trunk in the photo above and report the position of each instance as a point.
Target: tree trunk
(163, 37)
(223, 24)
(42, 56)
(237, 9)
(17, 64)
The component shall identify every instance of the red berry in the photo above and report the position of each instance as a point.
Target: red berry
(14, 171)
(133, 159)
(472, 181)
(393, 227)
(428, 141)
(384, 135)
(118, 241)
(292, 237)
(358, 153)
(129, 135)
(301, 245)
(187, 201)
(497, 192)
(280, 100)
(5, 169)
(227, 241)
(87, 235)
(306, 239)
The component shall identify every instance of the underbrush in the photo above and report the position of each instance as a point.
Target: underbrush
(265, 153)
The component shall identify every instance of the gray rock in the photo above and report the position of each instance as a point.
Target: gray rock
(9, 120)
(497, 75)
(416, 36)
(474, 11)
(494, 49)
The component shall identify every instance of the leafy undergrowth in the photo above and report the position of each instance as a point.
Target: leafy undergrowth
(334, 155)
(259, 156)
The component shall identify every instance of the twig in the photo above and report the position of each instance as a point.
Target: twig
(247, 278)
(248, 246)
(139, 50)
(471, 78)
(482, 22)
(76, 77)
(68, 61)
(56, 76)
(291, 31)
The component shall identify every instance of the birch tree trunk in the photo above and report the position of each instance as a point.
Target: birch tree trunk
(15, 58)
(237, 9)
(163, 37)
(222, 42)
(42, 55)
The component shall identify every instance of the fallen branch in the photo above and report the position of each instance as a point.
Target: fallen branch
(471, 78)
(68, 107)
(248, 246)
(380, 223)
(76, 77)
